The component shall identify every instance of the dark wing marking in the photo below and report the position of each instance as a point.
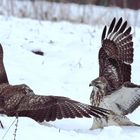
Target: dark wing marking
(116, 54)
(50, 108)
(3, 75)
(123, 27)
(111, 26)
(104, 33)
(117, 25)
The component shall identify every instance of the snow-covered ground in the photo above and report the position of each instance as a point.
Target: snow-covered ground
(69, 64)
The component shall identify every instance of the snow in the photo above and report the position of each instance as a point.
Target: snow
(45, 10)
(69, 63)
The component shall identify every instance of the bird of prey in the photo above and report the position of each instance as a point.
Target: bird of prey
(113, 89)
(20, 100)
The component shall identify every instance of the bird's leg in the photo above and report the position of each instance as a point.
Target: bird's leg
(97, 123)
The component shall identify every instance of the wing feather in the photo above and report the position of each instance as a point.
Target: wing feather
(116, 54)
(77, 112)
(111, 26)
(118, 25)
(72, 111)
(123, 27)
(104, 33)
(19, 100)
(53, 112)
(122, 101)
(127, 31)
(50, 108)
(58, 113)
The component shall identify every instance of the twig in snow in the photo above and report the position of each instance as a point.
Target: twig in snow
(15, 132)
(8, 129)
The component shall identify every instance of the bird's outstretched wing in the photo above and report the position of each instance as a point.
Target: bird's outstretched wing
(116, 53)
(50, 108)
(20, 100)
(3, 75)
(124, 100)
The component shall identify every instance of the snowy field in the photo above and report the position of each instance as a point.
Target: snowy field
(69, 63)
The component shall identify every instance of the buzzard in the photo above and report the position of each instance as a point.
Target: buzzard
(113, 89)
(20, 100)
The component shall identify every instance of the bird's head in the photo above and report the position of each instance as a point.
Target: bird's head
(100, 83)
(99, 90)
(26, 89)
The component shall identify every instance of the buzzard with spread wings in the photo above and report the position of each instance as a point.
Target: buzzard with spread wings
(113, 89)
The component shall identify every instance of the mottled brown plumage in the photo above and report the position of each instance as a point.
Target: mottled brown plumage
(113, 89)
(116, 54)
(115, 58)
(20, 100)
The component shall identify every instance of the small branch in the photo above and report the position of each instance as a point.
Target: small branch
(8, 129)
(15, 132)
(1, 124)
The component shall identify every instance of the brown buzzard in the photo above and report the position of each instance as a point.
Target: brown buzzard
(113, 89)
(20, 100)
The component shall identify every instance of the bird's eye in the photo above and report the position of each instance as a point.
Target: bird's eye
(98, 85)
